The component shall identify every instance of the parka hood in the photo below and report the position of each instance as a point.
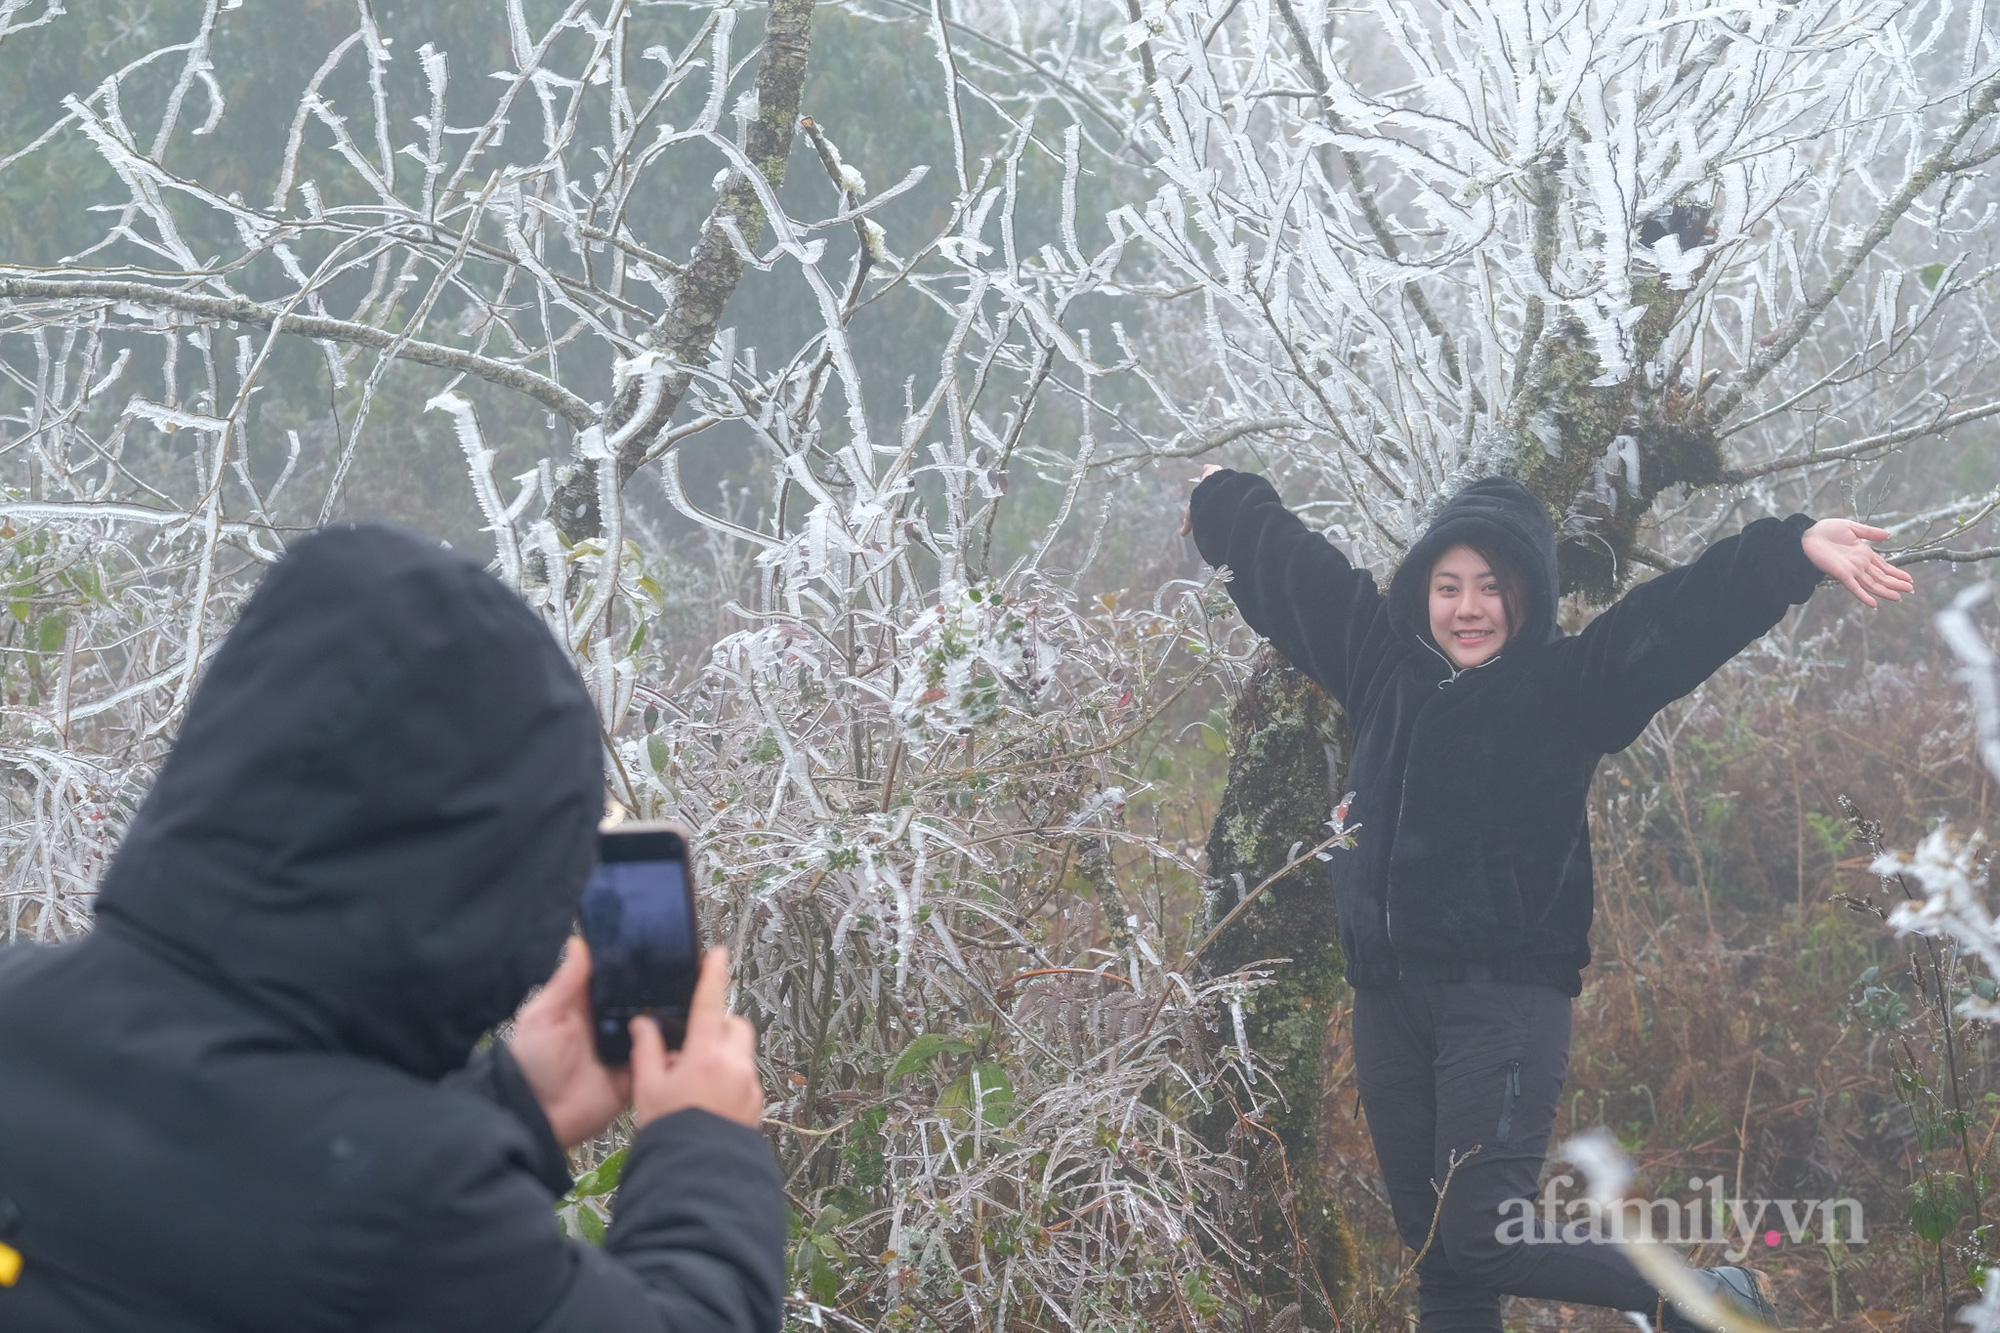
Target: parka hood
(1502, 517)
(381, 808)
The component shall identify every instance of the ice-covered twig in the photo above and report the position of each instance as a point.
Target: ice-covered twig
(1978, 668)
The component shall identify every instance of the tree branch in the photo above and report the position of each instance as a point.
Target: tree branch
(1886, 440)
(1371, 209)
(687, 326)
(1090, 99)
(546, 391)
(1146, 67)
(1209, 442)
(1968, 557)
(1938, 164)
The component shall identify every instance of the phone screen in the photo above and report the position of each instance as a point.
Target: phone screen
(638, 919)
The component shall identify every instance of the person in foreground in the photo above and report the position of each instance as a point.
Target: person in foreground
(1465, 903)
(249, 1099)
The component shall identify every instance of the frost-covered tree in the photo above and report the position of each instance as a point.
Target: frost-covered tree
(1663, 260)
(1621, 251)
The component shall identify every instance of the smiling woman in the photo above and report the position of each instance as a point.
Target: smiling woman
(1465, 904)
(1475, 600)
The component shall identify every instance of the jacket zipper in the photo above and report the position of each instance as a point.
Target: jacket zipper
(1511, 1095)
(1389, 879)
(1453, 668)
(1403, 802)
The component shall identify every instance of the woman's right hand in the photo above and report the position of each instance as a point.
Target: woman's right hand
(1207, 470)
(715, 1069)
(1839, 548)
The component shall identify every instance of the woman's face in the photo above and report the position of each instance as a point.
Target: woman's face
(1468, 615)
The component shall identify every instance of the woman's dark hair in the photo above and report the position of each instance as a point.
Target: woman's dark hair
(1513, 589)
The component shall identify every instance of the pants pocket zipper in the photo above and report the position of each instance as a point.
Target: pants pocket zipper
(1511, 1095)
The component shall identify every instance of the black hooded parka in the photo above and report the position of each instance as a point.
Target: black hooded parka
(1472, 857)
(243, 1102)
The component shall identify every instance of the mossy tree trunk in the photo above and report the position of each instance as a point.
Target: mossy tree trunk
(1567, 425)
(1285, 761)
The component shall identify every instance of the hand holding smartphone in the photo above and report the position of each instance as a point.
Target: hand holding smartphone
(716, 1068)
(645, 948)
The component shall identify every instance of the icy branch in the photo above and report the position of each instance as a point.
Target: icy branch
(224, 309)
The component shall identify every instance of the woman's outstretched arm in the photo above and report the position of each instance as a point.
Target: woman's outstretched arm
(1292, 585)
(1667, 635)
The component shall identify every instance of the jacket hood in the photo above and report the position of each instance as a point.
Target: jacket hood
(1502, 517)
(381, 808)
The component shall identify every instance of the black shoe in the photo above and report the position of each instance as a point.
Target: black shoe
(1741, 1291)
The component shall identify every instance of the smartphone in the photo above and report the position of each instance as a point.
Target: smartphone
(645, 949)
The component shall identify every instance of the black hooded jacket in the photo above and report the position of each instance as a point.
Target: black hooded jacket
(243, 1102)
(1472, 860)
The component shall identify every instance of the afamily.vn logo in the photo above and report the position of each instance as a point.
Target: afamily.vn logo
(1707, 1218)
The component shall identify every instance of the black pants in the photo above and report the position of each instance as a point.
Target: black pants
(1446, 1068)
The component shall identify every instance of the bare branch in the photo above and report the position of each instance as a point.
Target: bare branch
(236, 310)
(1971, 556)
(1861, 448)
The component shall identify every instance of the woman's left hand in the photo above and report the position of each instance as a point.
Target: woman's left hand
(1839, 549)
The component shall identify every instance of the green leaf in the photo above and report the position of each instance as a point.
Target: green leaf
(1201, 1298)
(1935, 1207)
(49, 633)
(996, 1098)
(83, 578)
(926, 1049)
(591, 1225)
(602, 1178)
(824, 1281)
(657, 753)
(1932, 274)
